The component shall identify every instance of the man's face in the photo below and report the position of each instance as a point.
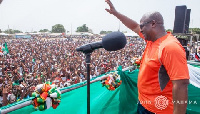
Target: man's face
(145, 28)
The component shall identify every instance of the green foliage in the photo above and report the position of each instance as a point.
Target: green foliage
(10, 31)
(58, 28)
(44, 30)
(0, 31)
(169, 30)
(82, 28)
(17, 31)
(105, 32)
(194, 30)
(191, 30)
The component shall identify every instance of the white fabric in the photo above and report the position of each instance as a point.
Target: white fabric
(63, 78)
(194, 73)
(67, 84)
(48, 102)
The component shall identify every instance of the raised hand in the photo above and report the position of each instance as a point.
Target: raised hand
(112, 9)
(131, 24)
(5, 88)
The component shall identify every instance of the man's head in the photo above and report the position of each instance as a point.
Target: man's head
(151, 25)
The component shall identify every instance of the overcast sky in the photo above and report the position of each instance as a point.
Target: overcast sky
(33, 15)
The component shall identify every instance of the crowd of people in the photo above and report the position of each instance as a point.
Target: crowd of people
(37, 60)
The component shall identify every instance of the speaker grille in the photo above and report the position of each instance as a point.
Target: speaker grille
(180, 17)
(187, 21)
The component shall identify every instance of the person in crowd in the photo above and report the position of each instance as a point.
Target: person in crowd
(34, 61)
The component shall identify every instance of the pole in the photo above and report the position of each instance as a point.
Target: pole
(71, 28)
(119, 27)
(87, 60)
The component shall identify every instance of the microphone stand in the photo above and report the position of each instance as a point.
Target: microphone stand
(119, 41)
(87, 60)
(87, 53)
(87, 50)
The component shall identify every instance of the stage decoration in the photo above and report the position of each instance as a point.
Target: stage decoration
(112, 81)
(197, 57)
(46, 95)
(136, 62)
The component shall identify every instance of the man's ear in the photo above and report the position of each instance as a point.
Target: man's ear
(153, 24)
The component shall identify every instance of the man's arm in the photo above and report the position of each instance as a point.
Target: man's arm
(180, 95)
(1, 1)
(131, 24)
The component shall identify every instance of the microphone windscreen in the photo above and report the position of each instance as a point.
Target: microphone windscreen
(114, 41)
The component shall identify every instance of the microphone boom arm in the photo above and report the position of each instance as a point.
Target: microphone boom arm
(89, 48)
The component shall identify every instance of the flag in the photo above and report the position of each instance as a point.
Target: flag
(5, 49)
(1, 53)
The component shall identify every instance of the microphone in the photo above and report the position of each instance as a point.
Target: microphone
(90, 47)
(114, 41)
(111, 42)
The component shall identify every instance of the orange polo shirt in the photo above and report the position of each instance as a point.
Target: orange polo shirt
(173, 58)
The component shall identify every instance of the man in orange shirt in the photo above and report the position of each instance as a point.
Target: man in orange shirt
(163, 77)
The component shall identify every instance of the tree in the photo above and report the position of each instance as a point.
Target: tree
(194, 30)
(44, 30)
(0, 31)
(10, 31)
(169, 30)
(105, 32)
(191, 30)
(17, 31)
(58, 28)
(82, 28)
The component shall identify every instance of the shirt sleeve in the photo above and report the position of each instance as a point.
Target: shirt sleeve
(175, 62)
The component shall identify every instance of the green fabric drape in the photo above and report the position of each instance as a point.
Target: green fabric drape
(121, 101)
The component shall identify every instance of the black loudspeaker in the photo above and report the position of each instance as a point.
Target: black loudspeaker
(180, 17)
(187, 21)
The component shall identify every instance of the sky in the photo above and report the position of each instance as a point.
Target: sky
(34, 15)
